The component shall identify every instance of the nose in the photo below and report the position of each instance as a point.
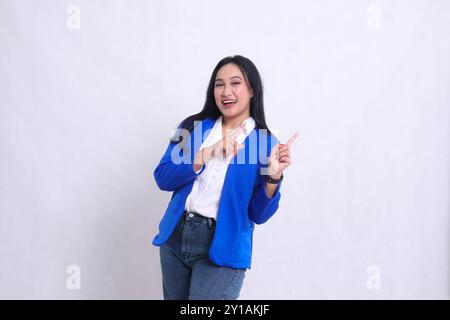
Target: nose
(226, 91)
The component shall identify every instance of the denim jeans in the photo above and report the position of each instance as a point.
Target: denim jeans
(187, 271)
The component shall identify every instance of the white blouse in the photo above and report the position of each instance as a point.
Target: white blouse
(207, 189)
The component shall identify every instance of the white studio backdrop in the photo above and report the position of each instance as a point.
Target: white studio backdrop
(90, 92)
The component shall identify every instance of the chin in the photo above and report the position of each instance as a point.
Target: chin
(229, 113)
(233, 110)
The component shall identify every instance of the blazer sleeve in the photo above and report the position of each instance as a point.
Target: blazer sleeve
(261, 207)
(170, 175)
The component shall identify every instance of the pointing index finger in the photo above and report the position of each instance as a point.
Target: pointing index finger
(292, 139)
(237, 131)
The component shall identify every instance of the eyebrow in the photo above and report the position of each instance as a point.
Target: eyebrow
(230, 78)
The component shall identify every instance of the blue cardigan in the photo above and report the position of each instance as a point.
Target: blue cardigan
(243, 202)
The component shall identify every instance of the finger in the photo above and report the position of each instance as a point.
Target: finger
(230, 145)
(286, 161)
(292, 139)
(240, 146)
(231, 137)
(237, 131)
(286, 164)
(284, 152)
(235, 143)
(235, 147)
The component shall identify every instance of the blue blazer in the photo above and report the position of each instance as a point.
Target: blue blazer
(243, 202)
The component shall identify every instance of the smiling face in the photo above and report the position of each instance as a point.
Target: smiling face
(232, 92)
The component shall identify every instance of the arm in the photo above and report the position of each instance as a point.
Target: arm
(170, 176)
(264, 205)
(271, 188)
(265, 197)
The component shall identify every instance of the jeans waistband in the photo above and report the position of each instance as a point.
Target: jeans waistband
(189, 215)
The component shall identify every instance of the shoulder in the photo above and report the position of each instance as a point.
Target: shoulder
(208, 120)
(190, 122)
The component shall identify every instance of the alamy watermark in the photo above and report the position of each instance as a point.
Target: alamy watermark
(373, 281)
(73, 281)
(186, 143)
(73, 21)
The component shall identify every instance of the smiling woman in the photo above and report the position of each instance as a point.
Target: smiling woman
(231, 87)
(206, 233)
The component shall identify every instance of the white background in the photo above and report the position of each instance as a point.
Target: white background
(85, 115)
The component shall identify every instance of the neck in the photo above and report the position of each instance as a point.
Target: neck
(234, 122)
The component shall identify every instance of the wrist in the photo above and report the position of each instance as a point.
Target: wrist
(274, 179)
(276, 176)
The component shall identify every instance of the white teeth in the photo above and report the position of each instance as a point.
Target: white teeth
(228, 101)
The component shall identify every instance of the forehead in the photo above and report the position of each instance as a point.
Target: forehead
(229, 70)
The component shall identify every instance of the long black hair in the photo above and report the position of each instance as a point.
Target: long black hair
(210, 109)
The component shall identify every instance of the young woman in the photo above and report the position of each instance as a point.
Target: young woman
(225, 169)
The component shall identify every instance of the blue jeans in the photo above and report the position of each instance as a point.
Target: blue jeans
(187, 271)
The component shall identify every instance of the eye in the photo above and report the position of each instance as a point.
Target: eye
(219, 84)
(235, 83)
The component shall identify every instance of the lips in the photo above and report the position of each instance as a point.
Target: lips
(228, 103)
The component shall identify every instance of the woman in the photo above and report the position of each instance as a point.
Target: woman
(206, 233)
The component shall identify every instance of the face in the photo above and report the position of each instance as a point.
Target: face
(232, 92)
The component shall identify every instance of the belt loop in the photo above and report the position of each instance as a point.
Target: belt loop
(209, 223)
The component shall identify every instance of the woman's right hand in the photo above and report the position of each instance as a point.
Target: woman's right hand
(222, 148)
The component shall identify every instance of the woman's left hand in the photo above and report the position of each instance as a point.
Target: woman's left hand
(280, 158)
